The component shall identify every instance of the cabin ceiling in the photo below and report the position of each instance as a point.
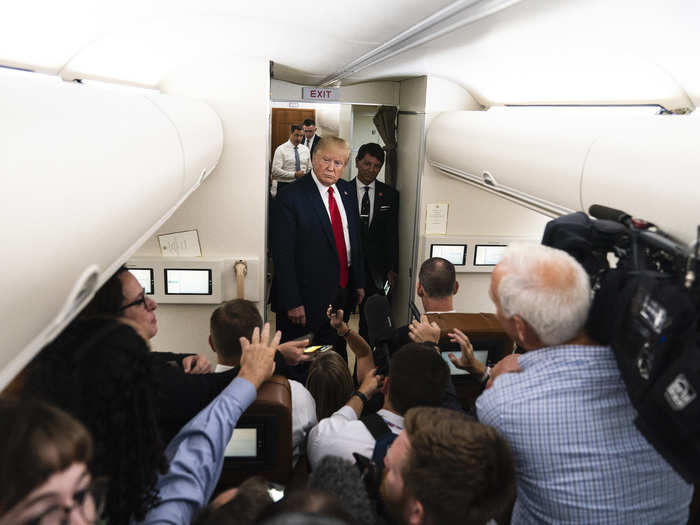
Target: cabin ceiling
(530, 52)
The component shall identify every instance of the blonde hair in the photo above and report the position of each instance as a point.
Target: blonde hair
(331, 142)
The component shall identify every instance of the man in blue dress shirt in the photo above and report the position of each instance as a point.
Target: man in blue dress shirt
(196, 453)
(566, 414)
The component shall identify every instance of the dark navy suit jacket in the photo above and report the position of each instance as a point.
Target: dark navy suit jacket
(380, 242)
(306, 262)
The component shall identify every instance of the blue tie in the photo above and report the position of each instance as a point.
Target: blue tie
(297, 162)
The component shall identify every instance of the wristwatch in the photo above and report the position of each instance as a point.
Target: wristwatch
(362, 397)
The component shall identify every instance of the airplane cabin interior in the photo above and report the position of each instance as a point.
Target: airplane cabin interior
(143, 134)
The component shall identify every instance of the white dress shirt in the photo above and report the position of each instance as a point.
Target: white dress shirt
(308, 143)
(361, 193)
(343, 433)
(283, 162)
(323, 190)
(303, 413)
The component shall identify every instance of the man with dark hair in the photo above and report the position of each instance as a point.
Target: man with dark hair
(310, 137)
(238, 319)
(418, 377)
(291, 161)
(379, 216)
(229, 322)
(444, 468)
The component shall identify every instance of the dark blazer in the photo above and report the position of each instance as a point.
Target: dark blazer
(380, 241)
(306, 262)
(313, 144)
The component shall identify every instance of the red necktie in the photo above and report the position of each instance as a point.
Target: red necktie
(337, 225)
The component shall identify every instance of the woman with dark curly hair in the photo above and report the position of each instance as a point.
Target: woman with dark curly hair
(99, 371)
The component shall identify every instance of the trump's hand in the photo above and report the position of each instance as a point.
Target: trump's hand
(360, 295)
(467, 361)
(258, 356)
(297, 315)
(196, 364)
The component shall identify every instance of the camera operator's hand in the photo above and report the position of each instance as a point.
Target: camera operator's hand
(336, 320)
(425, 331)
(293, 352)
(258, 356)
(297, 315)
(467, 360)
(508, 365)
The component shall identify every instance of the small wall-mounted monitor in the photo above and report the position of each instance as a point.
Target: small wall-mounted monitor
(187, 281)
(488, 254)
(455, 253)
(145, 278)
(244, 443)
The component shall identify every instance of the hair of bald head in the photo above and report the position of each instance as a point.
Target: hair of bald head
(547, 288)
(328, 143)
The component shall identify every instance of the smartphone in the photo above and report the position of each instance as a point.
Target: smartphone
(309, 336)
(340, 301)
(414, 310)
(317, 348)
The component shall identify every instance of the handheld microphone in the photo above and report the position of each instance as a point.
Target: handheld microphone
(380, 326)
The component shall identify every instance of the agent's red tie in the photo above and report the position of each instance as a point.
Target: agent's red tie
(337, 225)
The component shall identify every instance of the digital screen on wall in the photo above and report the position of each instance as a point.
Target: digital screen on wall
(180, 281)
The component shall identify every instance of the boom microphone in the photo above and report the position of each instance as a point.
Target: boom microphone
(610, 214)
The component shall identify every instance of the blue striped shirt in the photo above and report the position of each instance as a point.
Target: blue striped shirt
(579, 458)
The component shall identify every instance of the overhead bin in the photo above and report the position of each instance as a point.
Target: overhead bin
(88, 174)
(554, 163)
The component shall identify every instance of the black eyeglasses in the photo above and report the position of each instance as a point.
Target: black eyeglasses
(141, 300)
(89, 501)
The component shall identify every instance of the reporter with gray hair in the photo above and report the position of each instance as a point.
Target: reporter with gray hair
(566, 414)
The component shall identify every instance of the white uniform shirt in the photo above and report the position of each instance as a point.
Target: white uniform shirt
(361, 193)
(283, 162)
(343, 433)
(303, 413)
(323, 190)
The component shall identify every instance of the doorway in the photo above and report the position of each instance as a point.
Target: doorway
(282, 121)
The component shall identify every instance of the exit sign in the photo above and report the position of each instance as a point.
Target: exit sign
(320, 94)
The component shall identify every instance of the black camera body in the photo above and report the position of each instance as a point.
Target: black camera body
(646, 309)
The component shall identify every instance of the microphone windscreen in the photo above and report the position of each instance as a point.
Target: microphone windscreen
(611, 214)
(379, 322)
(342, 478)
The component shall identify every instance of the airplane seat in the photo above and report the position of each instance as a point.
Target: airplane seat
(262, 441)
(486, 335)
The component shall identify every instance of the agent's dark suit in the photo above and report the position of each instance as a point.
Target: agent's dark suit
(380, 242)
(306, 261)
(313, 144)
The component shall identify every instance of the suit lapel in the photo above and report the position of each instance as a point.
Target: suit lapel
(316, 203)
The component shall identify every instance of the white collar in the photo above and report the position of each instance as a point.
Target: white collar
(292, 144)
(322, 188)
(362, 185)
(222, 368)
(392, 419)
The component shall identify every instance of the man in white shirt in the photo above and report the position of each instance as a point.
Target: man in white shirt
(238, 318)
(310, 137)
(291, 161)
(417, 377)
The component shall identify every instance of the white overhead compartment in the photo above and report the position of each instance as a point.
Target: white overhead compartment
(88, 173)
(557, 162)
